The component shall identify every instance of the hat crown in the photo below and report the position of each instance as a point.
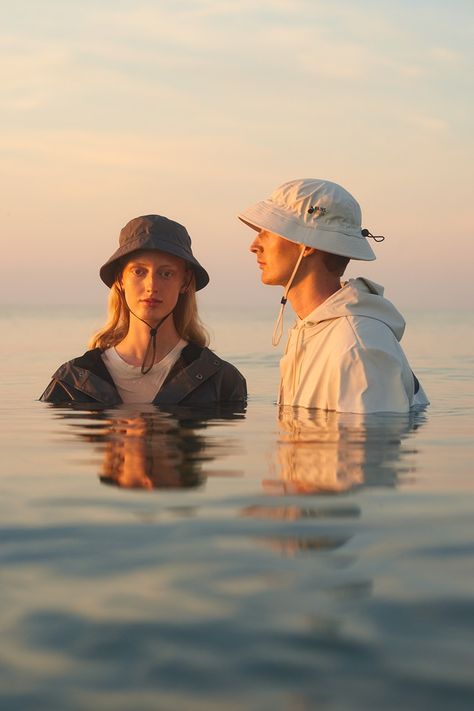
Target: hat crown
(318, 203)
(154, 226)
(318, 213)
(153, 232)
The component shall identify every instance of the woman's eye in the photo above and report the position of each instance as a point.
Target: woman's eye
(137, 271)
(166, 275)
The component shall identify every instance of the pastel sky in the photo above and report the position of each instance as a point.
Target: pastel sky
(195, 109)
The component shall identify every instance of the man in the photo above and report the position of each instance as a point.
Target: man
(343, 353)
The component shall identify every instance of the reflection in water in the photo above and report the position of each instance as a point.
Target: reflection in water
(293, 513)
(301, 541)
(331, 452)
(148, 448)
(292, 545)
(316, 453)
(148, 452)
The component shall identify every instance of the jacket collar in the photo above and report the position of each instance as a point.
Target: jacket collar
(89, 375)
(81, 374)
(197, 365)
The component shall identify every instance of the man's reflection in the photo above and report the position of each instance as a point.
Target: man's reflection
(330, 452)
(320, 452)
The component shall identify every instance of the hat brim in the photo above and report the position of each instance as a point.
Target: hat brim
(108, 271)
(265, 215)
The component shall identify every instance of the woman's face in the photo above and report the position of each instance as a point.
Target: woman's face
(152, 282)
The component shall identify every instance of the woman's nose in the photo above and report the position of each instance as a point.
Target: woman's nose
(151, 282)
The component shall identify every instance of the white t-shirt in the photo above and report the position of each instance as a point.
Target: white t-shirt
(129, 380)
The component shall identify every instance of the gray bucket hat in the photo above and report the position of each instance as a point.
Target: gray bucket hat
(154, 232)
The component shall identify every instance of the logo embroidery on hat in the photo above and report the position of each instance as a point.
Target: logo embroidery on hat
(319, 210)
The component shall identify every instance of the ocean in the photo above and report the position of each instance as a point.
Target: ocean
(257, 559)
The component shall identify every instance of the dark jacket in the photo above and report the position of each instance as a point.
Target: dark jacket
(198, 377)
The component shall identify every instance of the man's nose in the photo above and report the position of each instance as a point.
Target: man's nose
(256, 246)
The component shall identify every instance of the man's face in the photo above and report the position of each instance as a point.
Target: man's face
(276, 257)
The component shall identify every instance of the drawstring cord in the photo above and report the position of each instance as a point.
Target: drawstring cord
(151, 343)
(151, 347)
(153, 331)
(376, 238)
(278, 330)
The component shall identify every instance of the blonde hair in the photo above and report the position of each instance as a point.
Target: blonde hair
(185, 316)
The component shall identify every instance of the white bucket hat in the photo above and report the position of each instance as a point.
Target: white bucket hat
(316, 213)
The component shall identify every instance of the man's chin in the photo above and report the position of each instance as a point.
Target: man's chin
(268, 281)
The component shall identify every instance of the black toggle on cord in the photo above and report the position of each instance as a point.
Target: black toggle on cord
(376, 238)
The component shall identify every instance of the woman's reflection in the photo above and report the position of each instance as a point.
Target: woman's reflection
(149, 452)
(150, 448)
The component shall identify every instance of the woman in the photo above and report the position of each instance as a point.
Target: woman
(153, 347)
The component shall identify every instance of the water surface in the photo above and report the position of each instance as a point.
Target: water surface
(262, 559)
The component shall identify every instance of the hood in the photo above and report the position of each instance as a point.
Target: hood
(358, 297)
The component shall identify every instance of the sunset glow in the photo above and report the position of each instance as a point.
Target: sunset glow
(196, 109)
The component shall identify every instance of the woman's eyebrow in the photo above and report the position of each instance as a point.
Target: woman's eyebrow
(145, 264)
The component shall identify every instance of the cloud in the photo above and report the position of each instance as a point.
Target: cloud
(173, 26)
(433, 124)
(90, 158)
(445, 55)
(28, 71)
(317, 51)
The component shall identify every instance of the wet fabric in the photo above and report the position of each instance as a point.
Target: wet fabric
(346, 356)
(199, 377)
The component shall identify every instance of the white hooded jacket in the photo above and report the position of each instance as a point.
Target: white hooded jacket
(346, 356)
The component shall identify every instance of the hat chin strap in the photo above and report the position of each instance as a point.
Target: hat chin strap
(151, 347)
(278, 330)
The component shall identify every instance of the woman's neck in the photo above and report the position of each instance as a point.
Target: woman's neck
(133, 347)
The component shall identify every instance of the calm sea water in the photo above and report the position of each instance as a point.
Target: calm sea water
(275, 560)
